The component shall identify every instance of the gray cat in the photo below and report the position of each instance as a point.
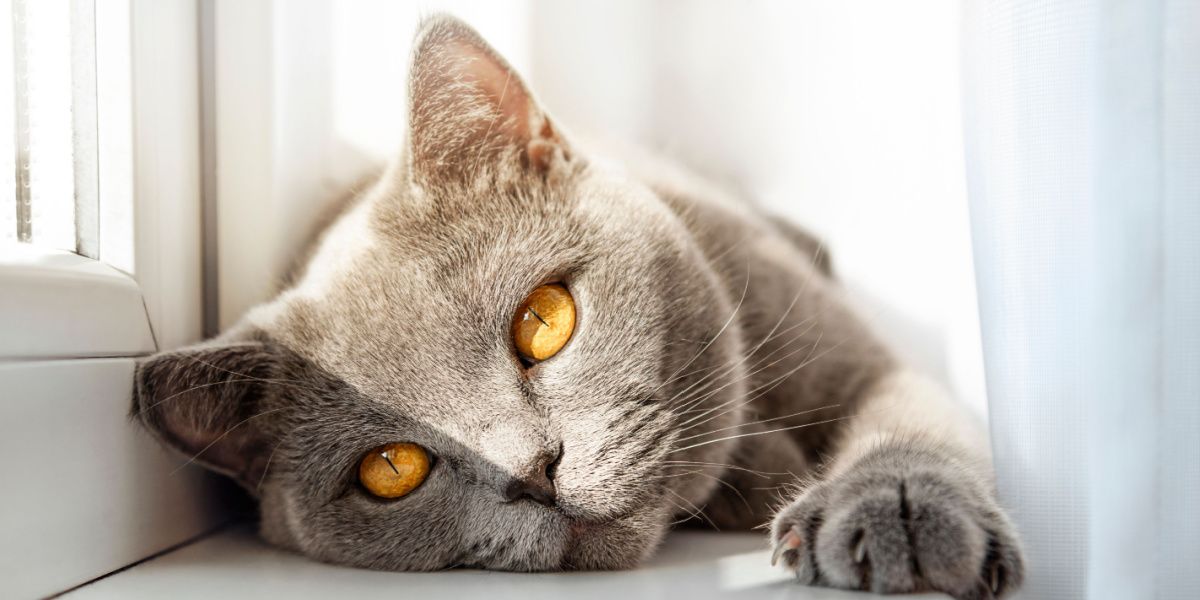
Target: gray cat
(405, 404)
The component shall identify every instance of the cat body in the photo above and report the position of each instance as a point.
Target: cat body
(715, 373)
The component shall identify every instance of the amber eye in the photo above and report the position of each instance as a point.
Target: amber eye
(393, 470)
(544, 322)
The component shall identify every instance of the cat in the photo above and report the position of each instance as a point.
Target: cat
(712, 372)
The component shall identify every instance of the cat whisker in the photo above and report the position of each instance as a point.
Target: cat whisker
(728, 485)
(770, 431)
(749, 355)
(743, 399)
(709, 343)
(754, 369)
(699, 510)
(782, 317)
(787, 311)
(746, 376)
(765, 388)
(674, 475)
(695, 463)
(759, 422)
(691, 514)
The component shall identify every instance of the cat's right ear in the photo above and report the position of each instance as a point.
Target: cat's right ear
(470, 113)
(209, 402)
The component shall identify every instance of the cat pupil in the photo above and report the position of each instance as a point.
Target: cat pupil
(538, 317)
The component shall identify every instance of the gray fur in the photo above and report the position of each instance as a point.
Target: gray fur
(699, 320)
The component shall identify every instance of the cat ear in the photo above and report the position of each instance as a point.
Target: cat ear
(469, 112)
(207, 401)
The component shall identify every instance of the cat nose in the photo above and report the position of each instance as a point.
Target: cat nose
(537, 484)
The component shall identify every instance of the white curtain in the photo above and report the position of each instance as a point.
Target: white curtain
(1082, 122)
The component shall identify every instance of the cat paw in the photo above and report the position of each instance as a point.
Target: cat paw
(901, 520)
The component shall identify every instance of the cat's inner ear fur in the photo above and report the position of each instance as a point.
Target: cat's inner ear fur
(470, 115)
(210, 402)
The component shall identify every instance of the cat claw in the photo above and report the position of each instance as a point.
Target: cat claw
(860, 551)
(790, 540)
(995, 579)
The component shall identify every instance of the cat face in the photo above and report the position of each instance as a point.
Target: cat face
(400, 331)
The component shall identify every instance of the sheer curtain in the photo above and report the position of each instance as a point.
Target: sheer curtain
(1083, 151)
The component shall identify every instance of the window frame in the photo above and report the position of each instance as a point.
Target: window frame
(74, 327)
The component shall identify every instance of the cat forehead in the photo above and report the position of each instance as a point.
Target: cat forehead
(462, 262)
(470, 234)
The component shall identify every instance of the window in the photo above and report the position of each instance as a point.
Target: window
(99, 263)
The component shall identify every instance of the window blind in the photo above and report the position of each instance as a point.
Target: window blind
(49, 124)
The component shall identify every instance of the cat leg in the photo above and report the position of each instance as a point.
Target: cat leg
(906, 503)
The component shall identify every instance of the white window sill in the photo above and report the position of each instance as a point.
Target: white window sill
(236, 564)
(58, 305)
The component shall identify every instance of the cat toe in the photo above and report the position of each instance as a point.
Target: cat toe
(890, 534)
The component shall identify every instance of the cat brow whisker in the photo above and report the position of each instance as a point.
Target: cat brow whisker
(192, 389)
(222, 436)
(294, 382)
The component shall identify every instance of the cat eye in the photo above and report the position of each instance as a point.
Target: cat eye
(544, 322)
(393, 470)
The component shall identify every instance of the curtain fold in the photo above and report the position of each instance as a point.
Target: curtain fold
(1082, 126)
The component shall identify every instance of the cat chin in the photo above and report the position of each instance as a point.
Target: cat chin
(554, 541)
(616, 544)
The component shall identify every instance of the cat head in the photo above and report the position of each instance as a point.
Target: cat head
(399, 330)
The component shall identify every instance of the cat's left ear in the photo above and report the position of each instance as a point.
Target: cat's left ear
(213, 403)
(470, 113)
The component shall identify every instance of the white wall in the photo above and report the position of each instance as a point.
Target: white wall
(843, 116)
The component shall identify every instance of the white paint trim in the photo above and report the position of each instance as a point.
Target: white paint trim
(166, 168)
(55, 304)
(88, 492)
(271, 74)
